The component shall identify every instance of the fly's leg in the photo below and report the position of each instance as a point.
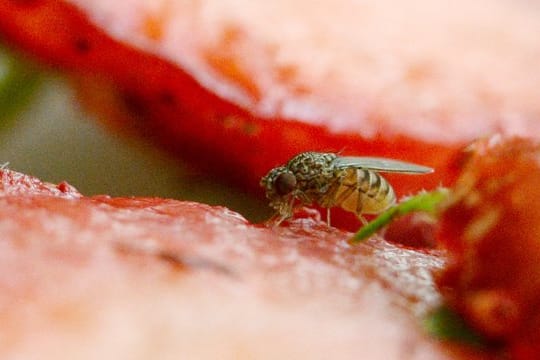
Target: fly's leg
(331, 200)
(276, 219)
(328, 201)
(328, 216)
(283, 212)
(280, 219)
(342, 197)
(359, 207)
(362, 220)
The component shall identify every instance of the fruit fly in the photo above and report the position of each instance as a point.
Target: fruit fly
(329, 180)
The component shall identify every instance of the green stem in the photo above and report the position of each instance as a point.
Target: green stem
(426, 201)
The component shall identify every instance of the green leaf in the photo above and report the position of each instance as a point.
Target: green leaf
(426, 201)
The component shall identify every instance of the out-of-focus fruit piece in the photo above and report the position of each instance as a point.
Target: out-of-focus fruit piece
(239, 87)
(100, 277)
(491, 229)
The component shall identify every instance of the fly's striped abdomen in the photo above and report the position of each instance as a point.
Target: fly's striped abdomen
(379, 197)
(361, 191)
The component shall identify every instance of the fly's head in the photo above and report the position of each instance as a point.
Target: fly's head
(280, 185)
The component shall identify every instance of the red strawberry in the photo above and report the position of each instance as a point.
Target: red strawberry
(491, 229)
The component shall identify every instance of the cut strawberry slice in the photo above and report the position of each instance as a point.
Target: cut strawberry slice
(101, 277)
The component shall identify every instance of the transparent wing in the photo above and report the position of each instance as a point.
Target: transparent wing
(380, 164)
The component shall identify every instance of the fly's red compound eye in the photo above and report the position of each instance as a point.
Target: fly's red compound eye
(285, 183)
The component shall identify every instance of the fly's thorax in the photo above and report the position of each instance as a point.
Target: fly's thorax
(314, 173)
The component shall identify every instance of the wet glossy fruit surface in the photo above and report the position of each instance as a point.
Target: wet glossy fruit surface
(180, 278)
